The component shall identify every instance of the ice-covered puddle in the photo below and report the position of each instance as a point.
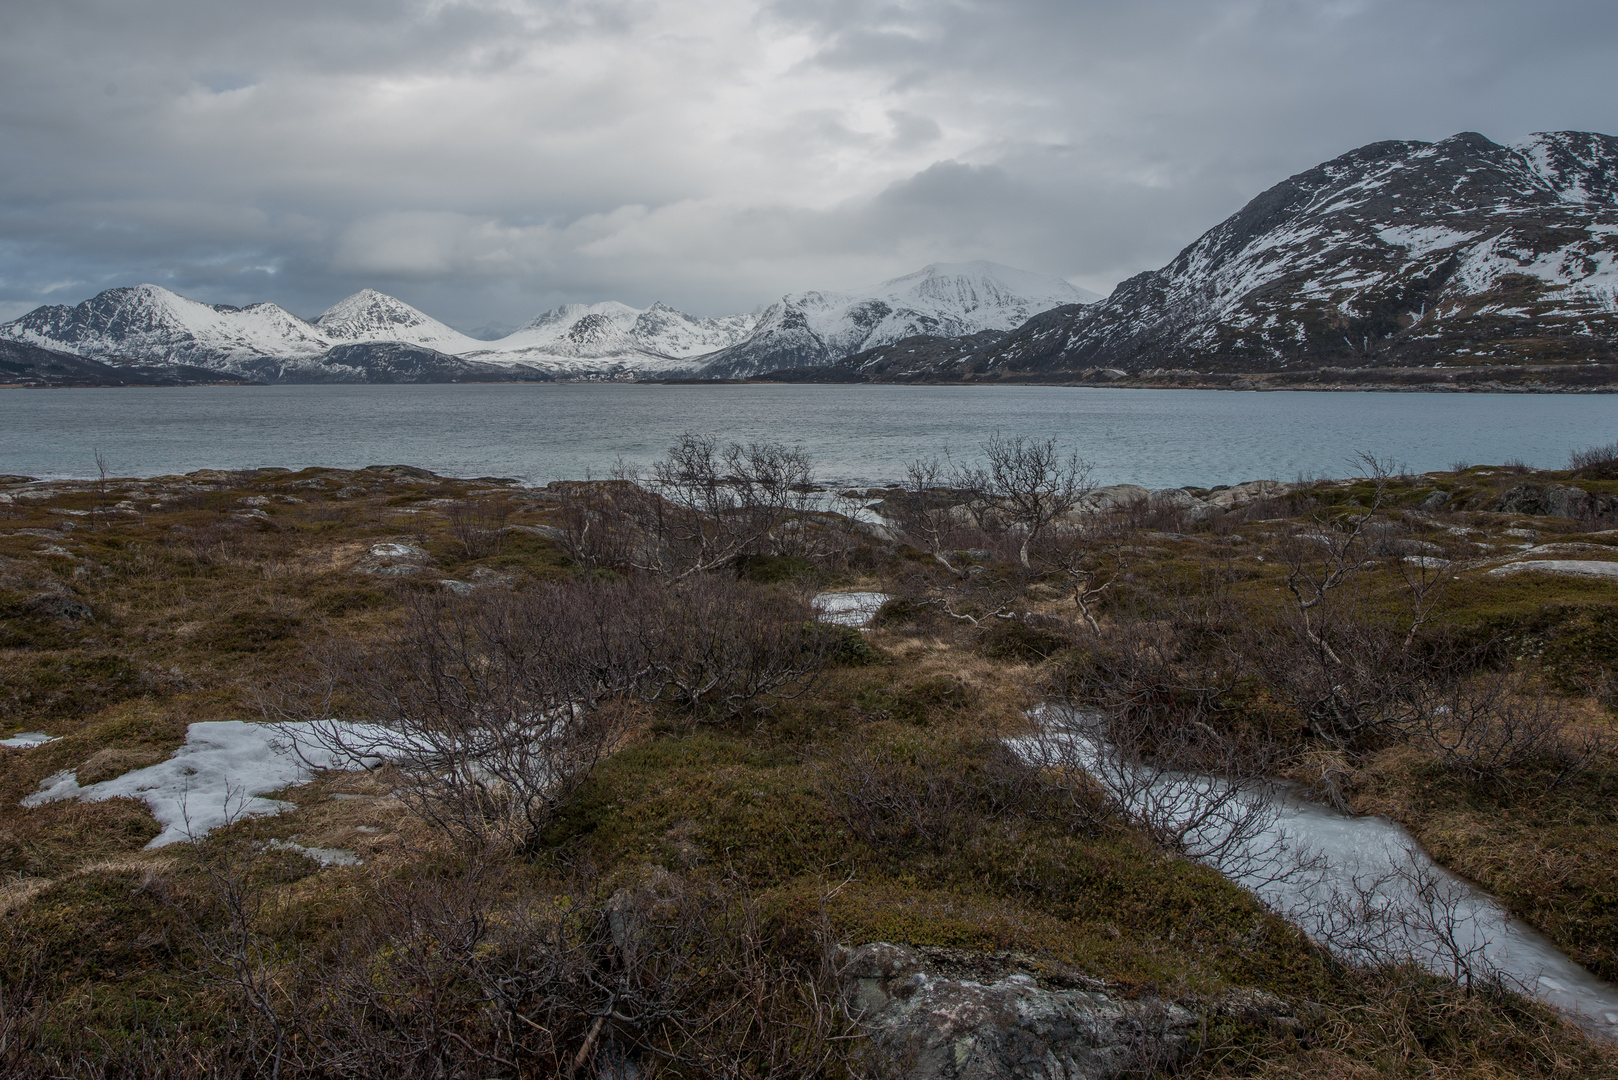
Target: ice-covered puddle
(221, 773)
(1359, 885)
(25, 739)
(855, 609)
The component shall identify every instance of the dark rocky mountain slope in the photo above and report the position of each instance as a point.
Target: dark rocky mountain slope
(22, 364)
(1396, 255)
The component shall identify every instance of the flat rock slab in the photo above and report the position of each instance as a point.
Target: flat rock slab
(933, 1017)
(855, 609)
(1606, 571)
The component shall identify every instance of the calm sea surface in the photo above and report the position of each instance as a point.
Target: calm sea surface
(855, 434)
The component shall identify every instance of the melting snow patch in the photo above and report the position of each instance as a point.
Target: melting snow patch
(325, 856)
(24, 740)
(849, 608)
(220, 774)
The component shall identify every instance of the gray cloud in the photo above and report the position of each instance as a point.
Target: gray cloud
(487, 158)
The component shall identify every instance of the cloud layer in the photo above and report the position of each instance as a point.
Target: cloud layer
(484, 159)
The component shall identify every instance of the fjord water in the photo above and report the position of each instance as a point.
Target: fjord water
(855, 434)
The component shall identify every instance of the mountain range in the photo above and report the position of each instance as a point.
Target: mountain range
(1404, 256)
(372, 337)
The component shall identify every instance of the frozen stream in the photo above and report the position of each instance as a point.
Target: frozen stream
(1359, 885)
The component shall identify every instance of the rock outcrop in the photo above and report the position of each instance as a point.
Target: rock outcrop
(948, 1014)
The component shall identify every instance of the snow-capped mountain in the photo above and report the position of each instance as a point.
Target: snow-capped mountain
(1399, 253)
(813, 329)
(372, 316)
(580, 340)
(674, 333)
(149, 324)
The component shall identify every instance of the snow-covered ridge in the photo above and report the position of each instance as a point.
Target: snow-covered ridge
(148, 324)
(812, 329)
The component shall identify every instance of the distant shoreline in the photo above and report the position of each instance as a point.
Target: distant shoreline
(1117, 384)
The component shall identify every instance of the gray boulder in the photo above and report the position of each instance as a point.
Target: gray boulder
(1179, 499)
(52, 605)
(948, 1014)
(1104, 500)
(1556, 500)
(1253, 491)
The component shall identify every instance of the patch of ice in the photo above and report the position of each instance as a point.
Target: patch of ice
(1410, 906)
(850, 608)
(222, 773)
(24, 739)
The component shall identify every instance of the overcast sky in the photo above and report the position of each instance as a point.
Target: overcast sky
(487, 159)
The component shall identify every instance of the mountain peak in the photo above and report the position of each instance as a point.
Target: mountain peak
(814, 329)
(369, 315)
(368, 304)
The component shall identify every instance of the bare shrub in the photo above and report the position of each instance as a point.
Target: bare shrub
(1190, 789)
(1090, 559)
(663, 976)
(701, 507)
(714, 646)
(1489, 725)
(493, 709)
(888, 798)
(934, 517)
(932, 796)
(1405, 913)
(496, 707)
(1025, 486)
(478, 525)
(599, 521)
(1595, 462)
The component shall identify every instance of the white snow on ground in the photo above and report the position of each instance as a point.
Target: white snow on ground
(222, 773)
(23, 740)
(1570, 567)
(849, 608)
(325, 856)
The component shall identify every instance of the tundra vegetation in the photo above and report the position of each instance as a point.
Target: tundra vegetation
(639, 808)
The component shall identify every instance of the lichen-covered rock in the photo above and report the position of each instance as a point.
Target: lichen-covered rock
(947, 1014)
(1113, 497)
(1253, 491)
(395, 558)
(52, 605)
(1558, 500)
